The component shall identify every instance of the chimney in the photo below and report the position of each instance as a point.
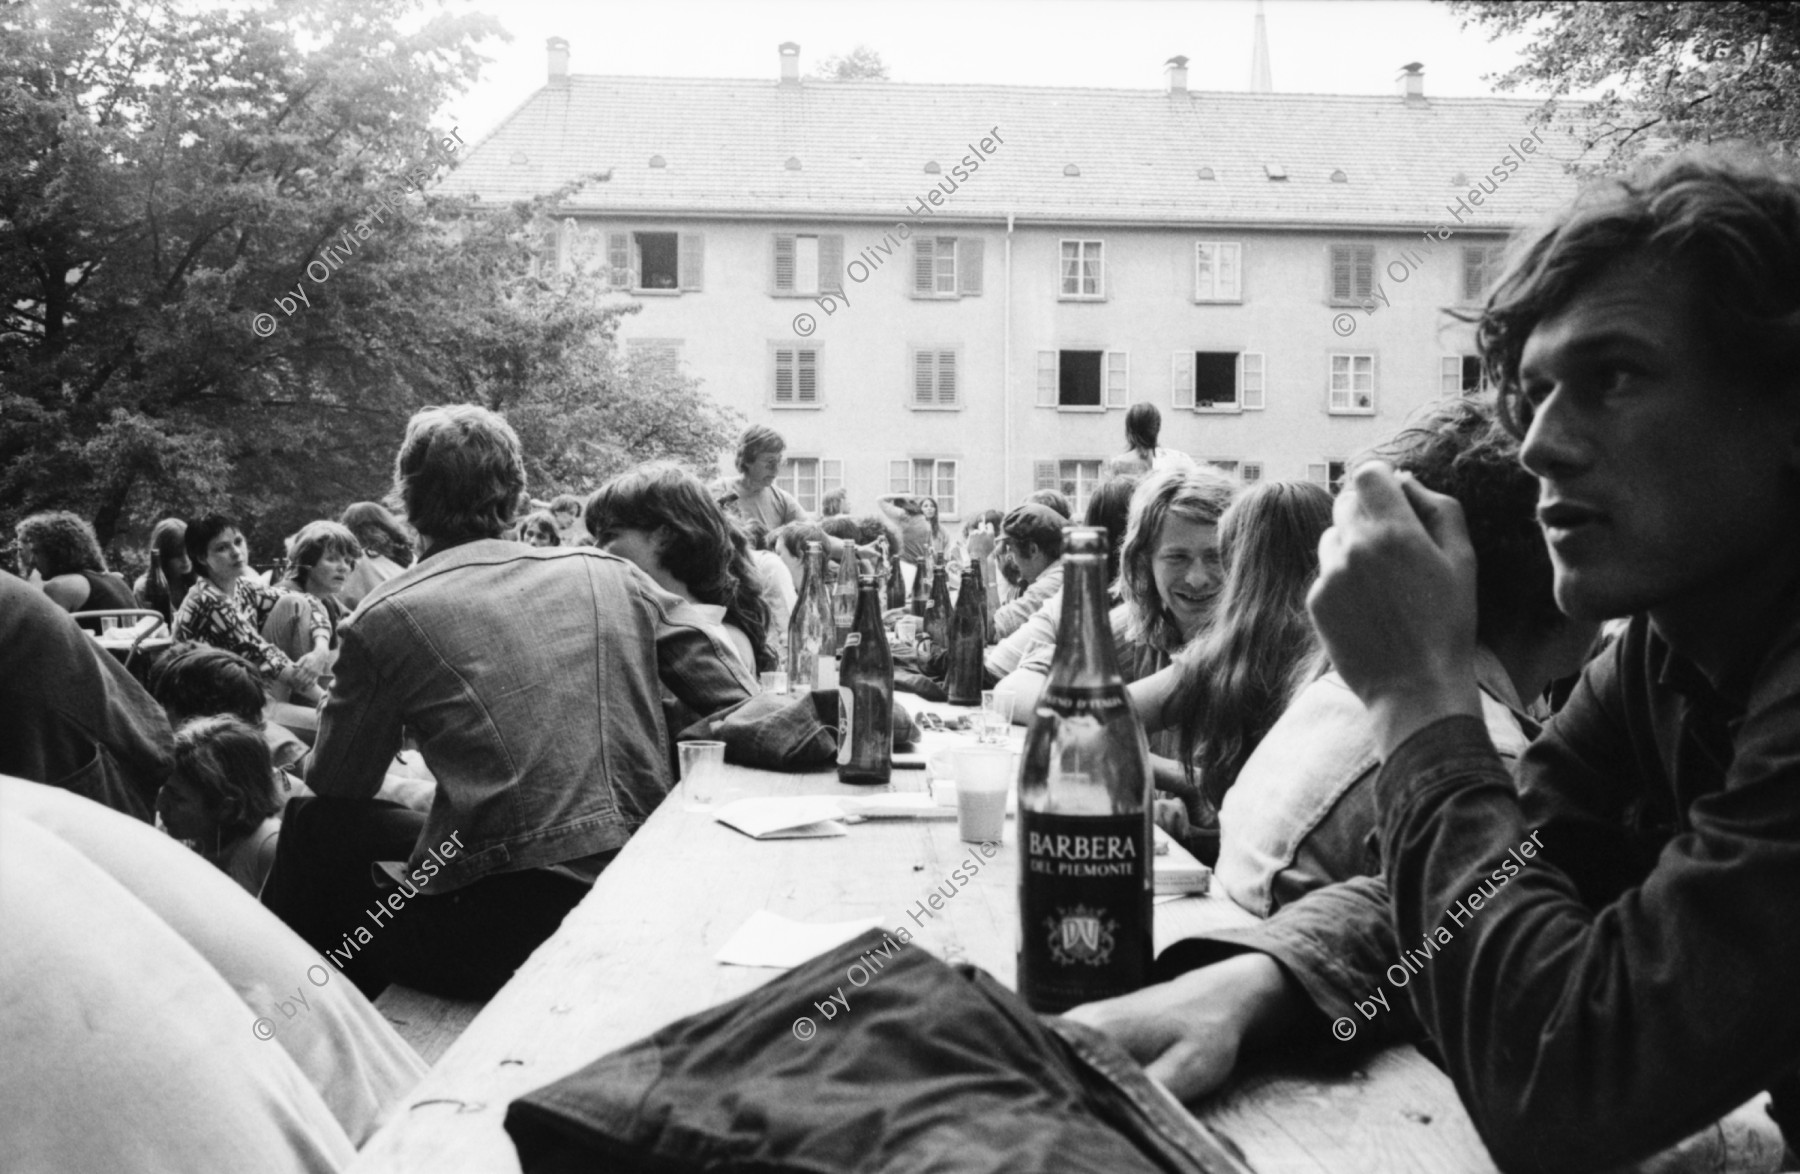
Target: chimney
(1412, 82)
(1260, 80)
(1175, 75)
(559, 60)
(790, 63)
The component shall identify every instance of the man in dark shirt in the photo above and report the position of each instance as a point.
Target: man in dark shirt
(1607, 958)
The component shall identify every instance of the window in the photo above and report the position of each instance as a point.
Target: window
(809, 479)
(1081, 273)
(796, 377)
(1352, 383)
(809, 264)
(926, 477)
(1083, 379)
(1216, 381)
(1075, 479)
(934, 379)
(1459, 375)
(1330, 474)
(1480, 266)
(655, 261)
(946, 266)
(1352, 273)
(1251, 472)
(1217, 271)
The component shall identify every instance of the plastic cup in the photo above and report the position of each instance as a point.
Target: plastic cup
(774, 681)
(983, 775)
(702, 766)
(906, 629)
(996, 714)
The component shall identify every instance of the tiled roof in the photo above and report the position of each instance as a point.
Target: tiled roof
(862, 148)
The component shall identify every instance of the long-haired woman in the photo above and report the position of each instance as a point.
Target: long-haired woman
(171, 573)
(386, 544)
(661, 517)
(1228, 686)
(321, 558)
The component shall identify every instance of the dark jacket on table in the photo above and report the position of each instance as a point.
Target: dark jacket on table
(74, 717)
(1634, 981)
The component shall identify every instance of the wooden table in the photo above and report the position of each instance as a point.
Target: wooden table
(637, 954)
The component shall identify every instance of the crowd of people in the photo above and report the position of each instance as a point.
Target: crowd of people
(1562, 613)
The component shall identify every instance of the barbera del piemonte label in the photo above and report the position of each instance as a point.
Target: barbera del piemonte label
(1084, 906)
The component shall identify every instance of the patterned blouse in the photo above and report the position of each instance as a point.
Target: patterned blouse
(232, 622)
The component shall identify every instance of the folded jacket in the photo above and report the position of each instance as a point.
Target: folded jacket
(874, 1056)
(773, 731)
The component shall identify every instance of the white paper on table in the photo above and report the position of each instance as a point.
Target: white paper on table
(897, 805)
(768, 939)
(784, 817)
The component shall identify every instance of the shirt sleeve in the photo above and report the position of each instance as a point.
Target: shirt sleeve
(361, 726)
(1581, 1033)
(699, 667)
(1010, 616)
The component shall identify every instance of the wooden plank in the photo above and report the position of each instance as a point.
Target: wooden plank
(430, 1024)
(637, 954)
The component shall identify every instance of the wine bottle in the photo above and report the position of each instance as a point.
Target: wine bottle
(866, 693)
(938, 609)
(811, 627)
(968, 641)
(896, 579)
(1086, 876)
(921, 588)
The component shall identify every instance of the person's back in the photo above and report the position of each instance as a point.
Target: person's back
(107, 591)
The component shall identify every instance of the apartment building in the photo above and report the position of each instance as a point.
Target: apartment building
(959, 289)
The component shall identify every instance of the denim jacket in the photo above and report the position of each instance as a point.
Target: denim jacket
(530, 678)
(1300, 815)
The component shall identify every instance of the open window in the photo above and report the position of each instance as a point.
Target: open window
(1216, 381)
(1083, 380)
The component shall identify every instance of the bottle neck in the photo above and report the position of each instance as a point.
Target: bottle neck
(1084, 647)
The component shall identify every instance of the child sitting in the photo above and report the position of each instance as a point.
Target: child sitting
(222, 799)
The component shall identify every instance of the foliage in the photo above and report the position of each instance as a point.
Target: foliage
(167, 176)
(1675, 73)
(861, 64)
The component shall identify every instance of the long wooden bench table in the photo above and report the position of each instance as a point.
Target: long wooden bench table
(637, 954)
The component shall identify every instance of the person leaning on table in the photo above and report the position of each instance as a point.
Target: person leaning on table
(1634, 979)
(531, 680)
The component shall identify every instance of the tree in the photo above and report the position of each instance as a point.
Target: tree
(1675, 73)
(224, 282)
(861, 64)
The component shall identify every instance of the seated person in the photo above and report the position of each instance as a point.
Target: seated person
(62, 548)
(1234, 678)
(305, 618)
(1142, 455)
(75, 718)
(532, 682)
(1302, 814)
(197, 680)
(774, 583)
(566, 512)
(1611, 949)
(538, 529)
(905, 514)
(163, 586)
(660, 517)
(1109, 508)
(386, 545)
(227, 607)
(1054, 500)
(138, 978)
(1032, 538)
(222, 799)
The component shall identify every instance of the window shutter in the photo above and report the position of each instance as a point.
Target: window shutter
(1250, 380)
(946, 389)
(924, 265)
(1117, 371)
(831, 263)
(1364, 272)
(784, 376)
(924, 371)
(1319, 474)
(693, 260)
(1046, 389)
(1203, 271)
(806, 376)
(1450, 375)
(1043, 475)
(1473, 273)
(1181, 379)
(969, 251)
(784, 262)
(1340, 273)
(618, 259)
(899, 476)
(1230, 272)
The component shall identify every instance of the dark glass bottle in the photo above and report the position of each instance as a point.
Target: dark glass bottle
(866, 694)
(896, 579)
(921, 588)
(968, 641)
(938, 609)
(1086, 876)
(988, 635)
(811, 635)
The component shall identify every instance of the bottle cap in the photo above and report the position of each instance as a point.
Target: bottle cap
(1084, 540)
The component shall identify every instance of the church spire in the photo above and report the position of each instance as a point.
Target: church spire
(1260, 82)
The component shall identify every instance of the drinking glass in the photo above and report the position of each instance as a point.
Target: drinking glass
(702, 767)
